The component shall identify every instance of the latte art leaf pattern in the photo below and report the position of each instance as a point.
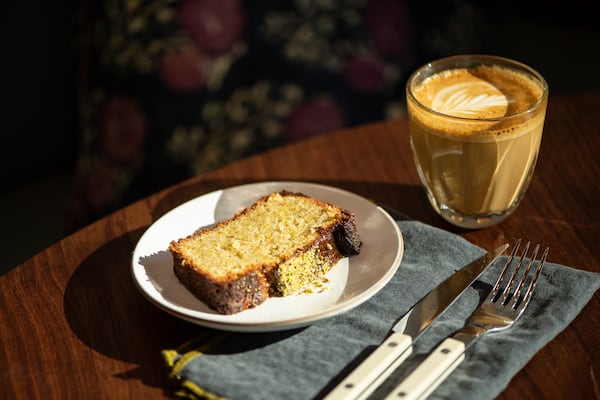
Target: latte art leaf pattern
(468, 101)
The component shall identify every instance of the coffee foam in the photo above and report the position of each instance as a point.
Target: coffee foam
(480, 96)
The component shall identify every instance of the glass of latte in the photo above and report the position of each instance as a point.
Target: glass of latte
(476, 125)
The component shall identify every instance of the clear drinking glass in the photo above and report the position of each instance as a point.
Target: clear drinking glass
(476, 125)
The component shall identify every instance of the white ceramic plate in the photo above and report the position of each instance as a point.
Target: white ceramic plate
(351, 282)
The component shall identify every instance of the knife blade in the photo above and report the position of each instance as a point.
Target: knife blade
(365, 378)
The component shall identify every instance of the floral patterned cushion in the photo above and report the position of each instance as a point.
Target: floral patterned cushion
(173, 88)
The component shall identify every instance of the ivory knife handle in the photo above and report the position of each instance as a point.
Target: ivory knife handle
(365, 378)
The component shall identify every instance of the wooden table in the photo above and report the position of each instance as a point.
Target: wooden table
(73, 325)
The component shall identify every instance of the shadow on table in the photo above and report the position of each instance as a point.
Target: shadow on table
(108, 314)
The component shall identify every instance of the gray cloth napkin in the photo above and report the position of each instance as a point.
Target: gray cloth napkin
(306, 363)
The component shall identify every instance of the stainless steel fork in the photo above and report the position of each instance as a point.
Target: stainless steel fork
(500, 309)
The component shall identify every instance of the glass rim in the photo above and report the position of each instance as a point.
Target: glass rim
(506, 62)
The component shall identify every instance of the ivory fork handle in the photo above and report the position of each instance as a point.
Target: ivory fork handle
(431, 372)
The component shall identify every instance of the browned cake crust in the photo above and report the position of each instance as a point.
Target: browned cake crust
(225, 297)
(232, 292)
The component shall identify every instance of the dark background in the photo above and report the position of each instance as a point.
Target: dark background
(39, 74)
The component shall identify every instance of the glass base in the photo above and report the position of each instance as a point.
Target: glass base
(476, 221)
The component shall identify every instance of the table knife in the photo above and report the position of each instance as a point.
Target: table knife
(365, 378)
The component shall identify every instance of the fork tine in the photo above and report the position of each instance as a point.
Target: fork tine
(531, 287)
(511, 281)
(496, 287)
(519, 289)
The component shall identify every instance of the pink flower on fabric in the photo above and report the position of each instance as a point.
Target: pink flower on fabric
(183, 69)
(364, 74)
(215, 25)
(100, 188)
(121, 128)
(315, 117)
(388, 24)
